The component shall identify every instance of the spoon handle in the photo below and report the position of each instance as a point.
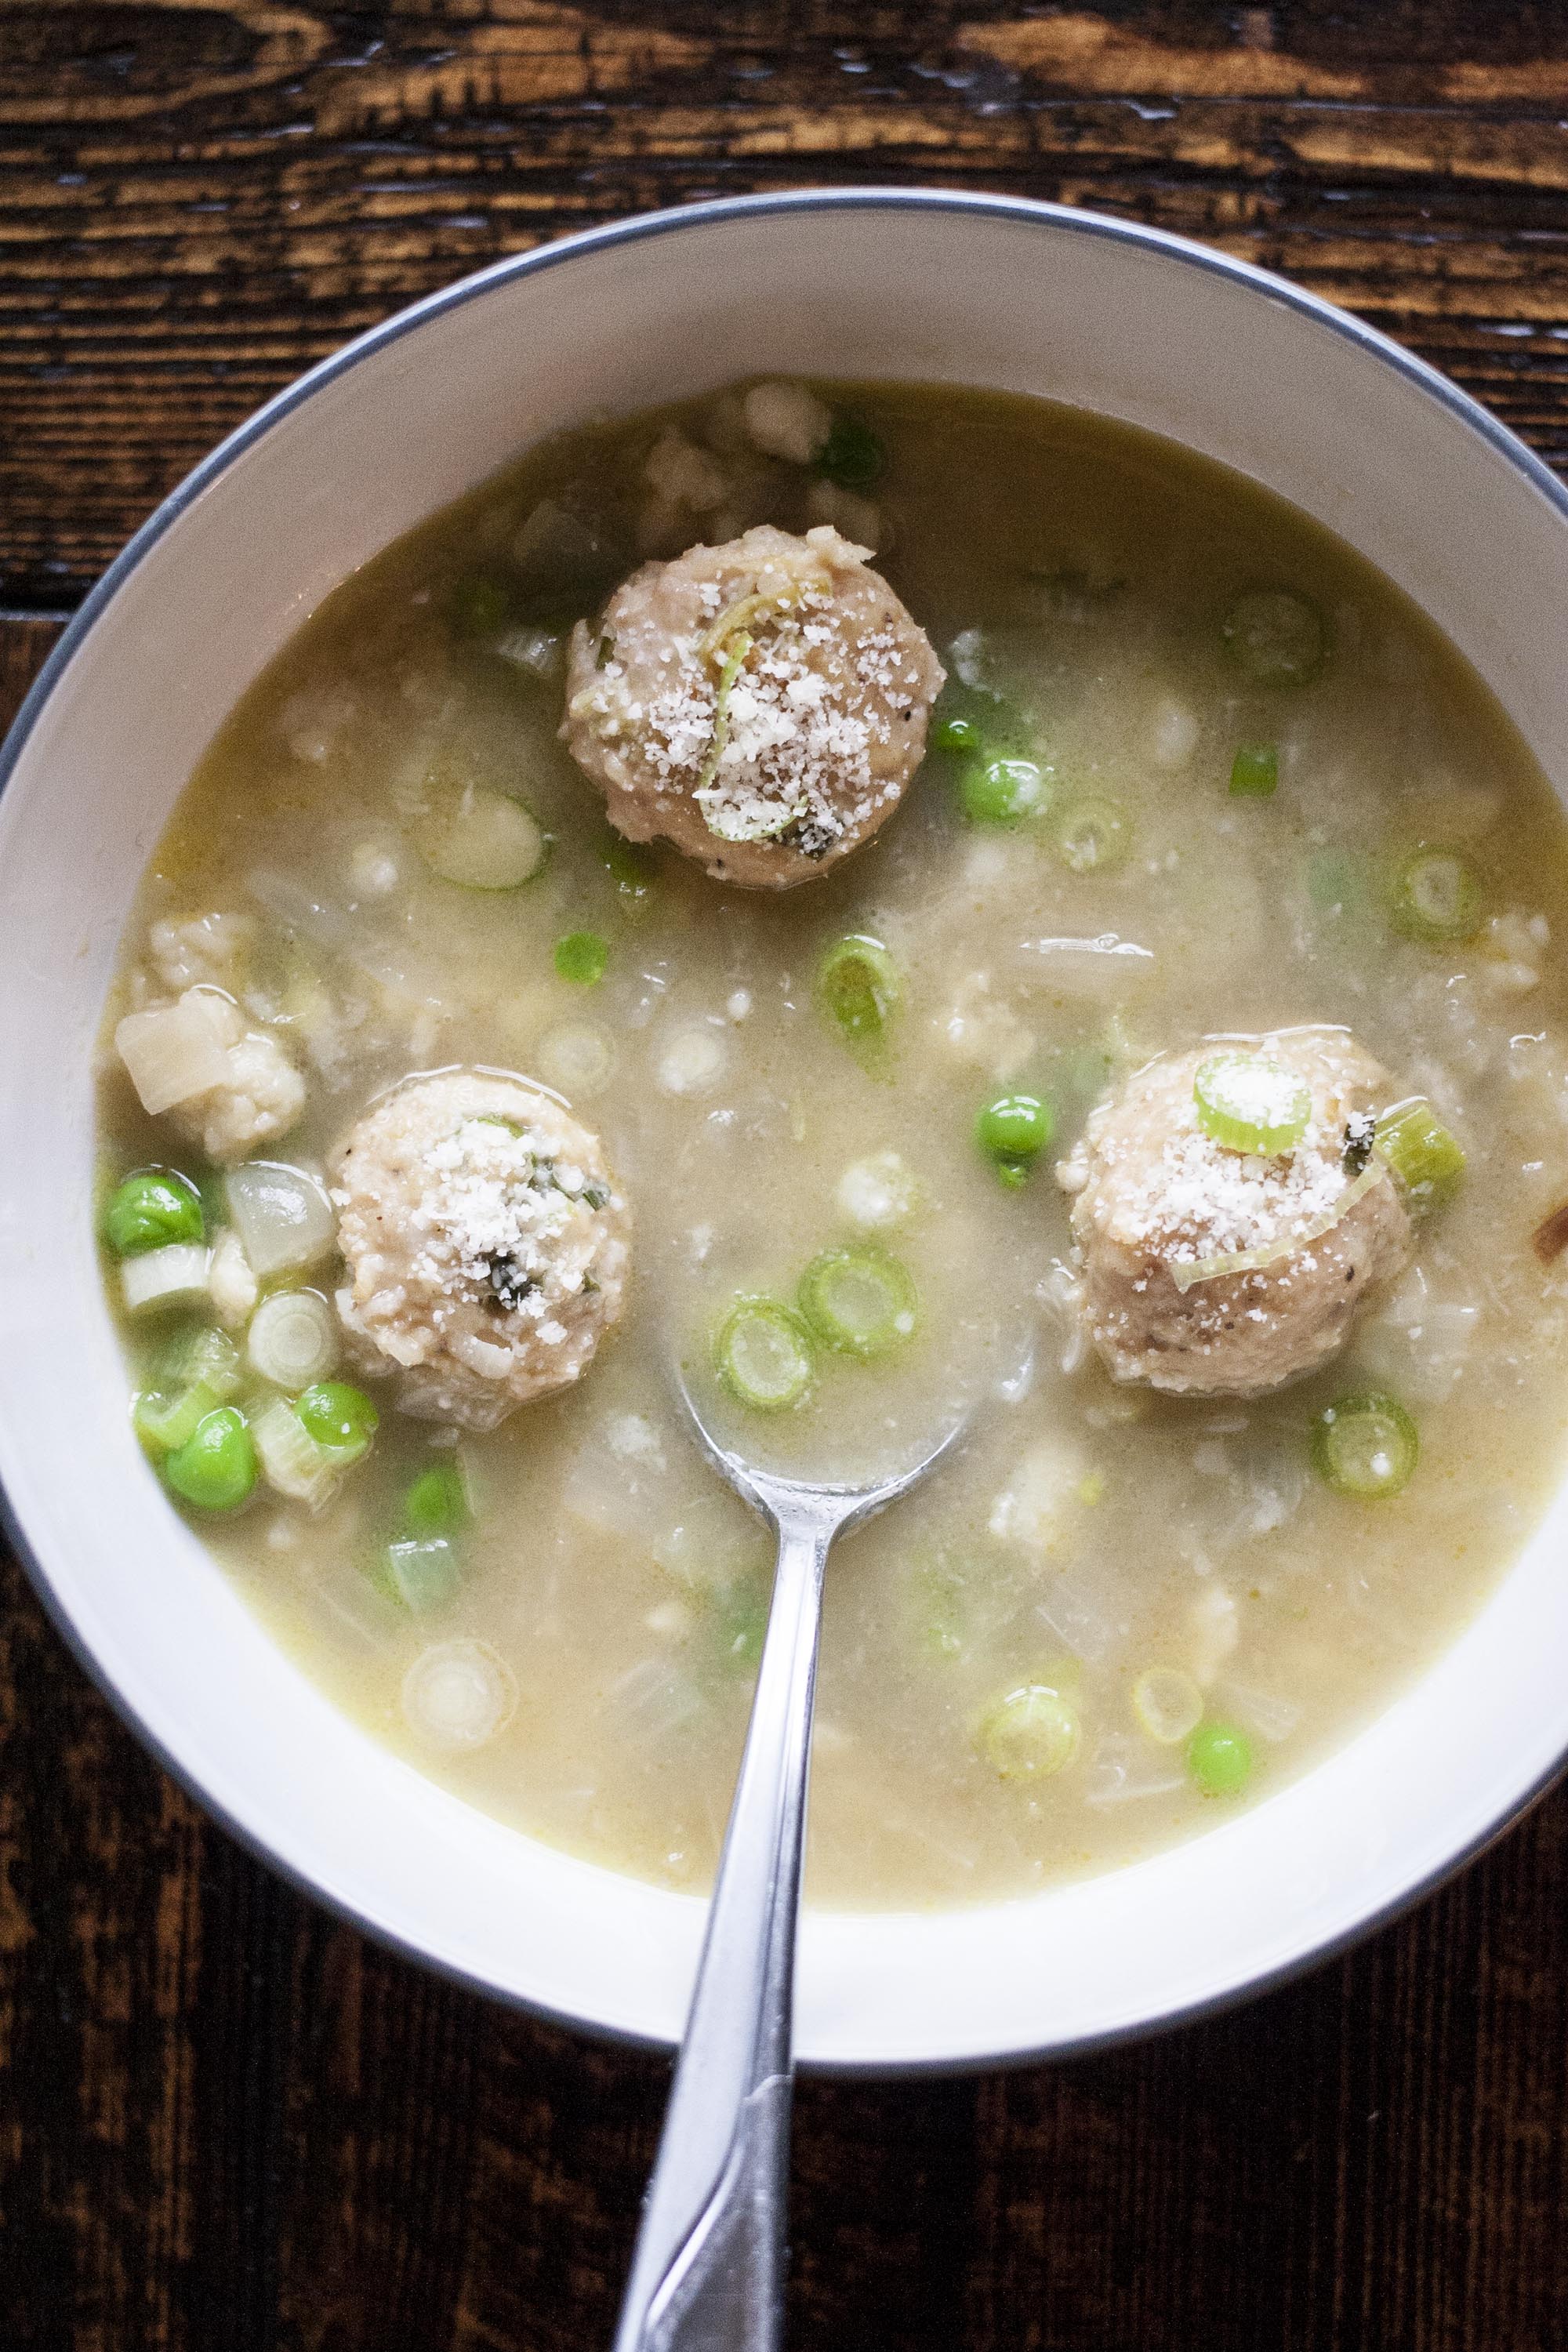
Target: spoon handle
(708, 2274)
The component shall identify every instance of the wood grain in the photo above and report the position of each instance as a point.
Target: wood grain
(228, 2124)
(199, 199)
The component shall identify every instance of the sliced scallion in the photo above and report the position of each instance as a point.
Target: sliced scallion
(857, 989)
(482, 840)
(1248, 1103)
(1092, 836)
(1276, 637)
(860, 1301)
(1030, 1734)
(763, 1355)
(1366, 1447)
(1434, 896)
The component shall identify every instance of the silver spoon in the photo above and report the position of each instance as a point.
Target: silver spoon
(707, 2272)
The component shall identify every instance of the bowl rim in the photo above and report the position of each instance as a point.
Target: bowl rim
(562, 252)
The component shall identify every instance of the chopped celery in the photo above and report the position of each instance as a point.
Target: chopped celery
(1425, 1158)
(163, 1420)
(207, 1356)
(1366, 1447)
(583, 957)
(763, 1355)
(632, 868)
(1248, 1103)
(292, 1460)
(1276, 637)
(420, 1571)
(1254, 771)
(860, 1302)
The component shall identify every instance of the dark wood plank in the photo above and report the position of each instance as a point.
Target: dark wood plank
(226, 2120)
(196, 201)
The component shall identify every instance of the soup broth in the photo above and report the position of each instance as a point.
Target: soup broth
(1211, 853)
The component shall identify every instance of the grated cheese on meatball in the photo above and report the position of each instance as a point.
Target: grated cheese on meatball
(1156, 1197)
(486, 1242)
(761, 704)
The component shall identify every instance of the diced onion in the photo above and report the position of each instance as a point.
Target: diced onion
(459, 1694)
(291, 1461)
(692, 1062)
(293, 1339)
(579, 1058)
(532, 648)
(178, 1271)
(172, 1052)
(1168, 1704)
(878, 1192)
(282, 1215)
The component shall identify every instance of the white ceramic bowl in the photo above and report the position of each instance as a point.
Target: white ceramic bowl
(974, 290)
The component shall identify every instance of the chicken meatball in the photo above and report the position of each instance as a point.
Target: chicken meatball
(763, 705)
(1157, 1196)
(486, 1242)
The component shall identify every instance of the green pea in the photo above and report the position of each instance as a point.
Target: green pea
(582, 957)
(152, 1209)
(338, 1416)
(437, 1504)
(1219, 1759)
(216, 1468)
(956, 731)
(1012, 1132)
(1004, 791)
(852, 456)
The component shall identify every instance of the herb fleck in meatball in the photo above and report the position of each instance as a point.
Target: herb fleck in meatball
(1157, 1196)
(487, 1246)
(762, 704)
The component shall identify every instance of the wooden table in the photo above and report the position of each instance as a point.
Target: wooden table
(228, 2125)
